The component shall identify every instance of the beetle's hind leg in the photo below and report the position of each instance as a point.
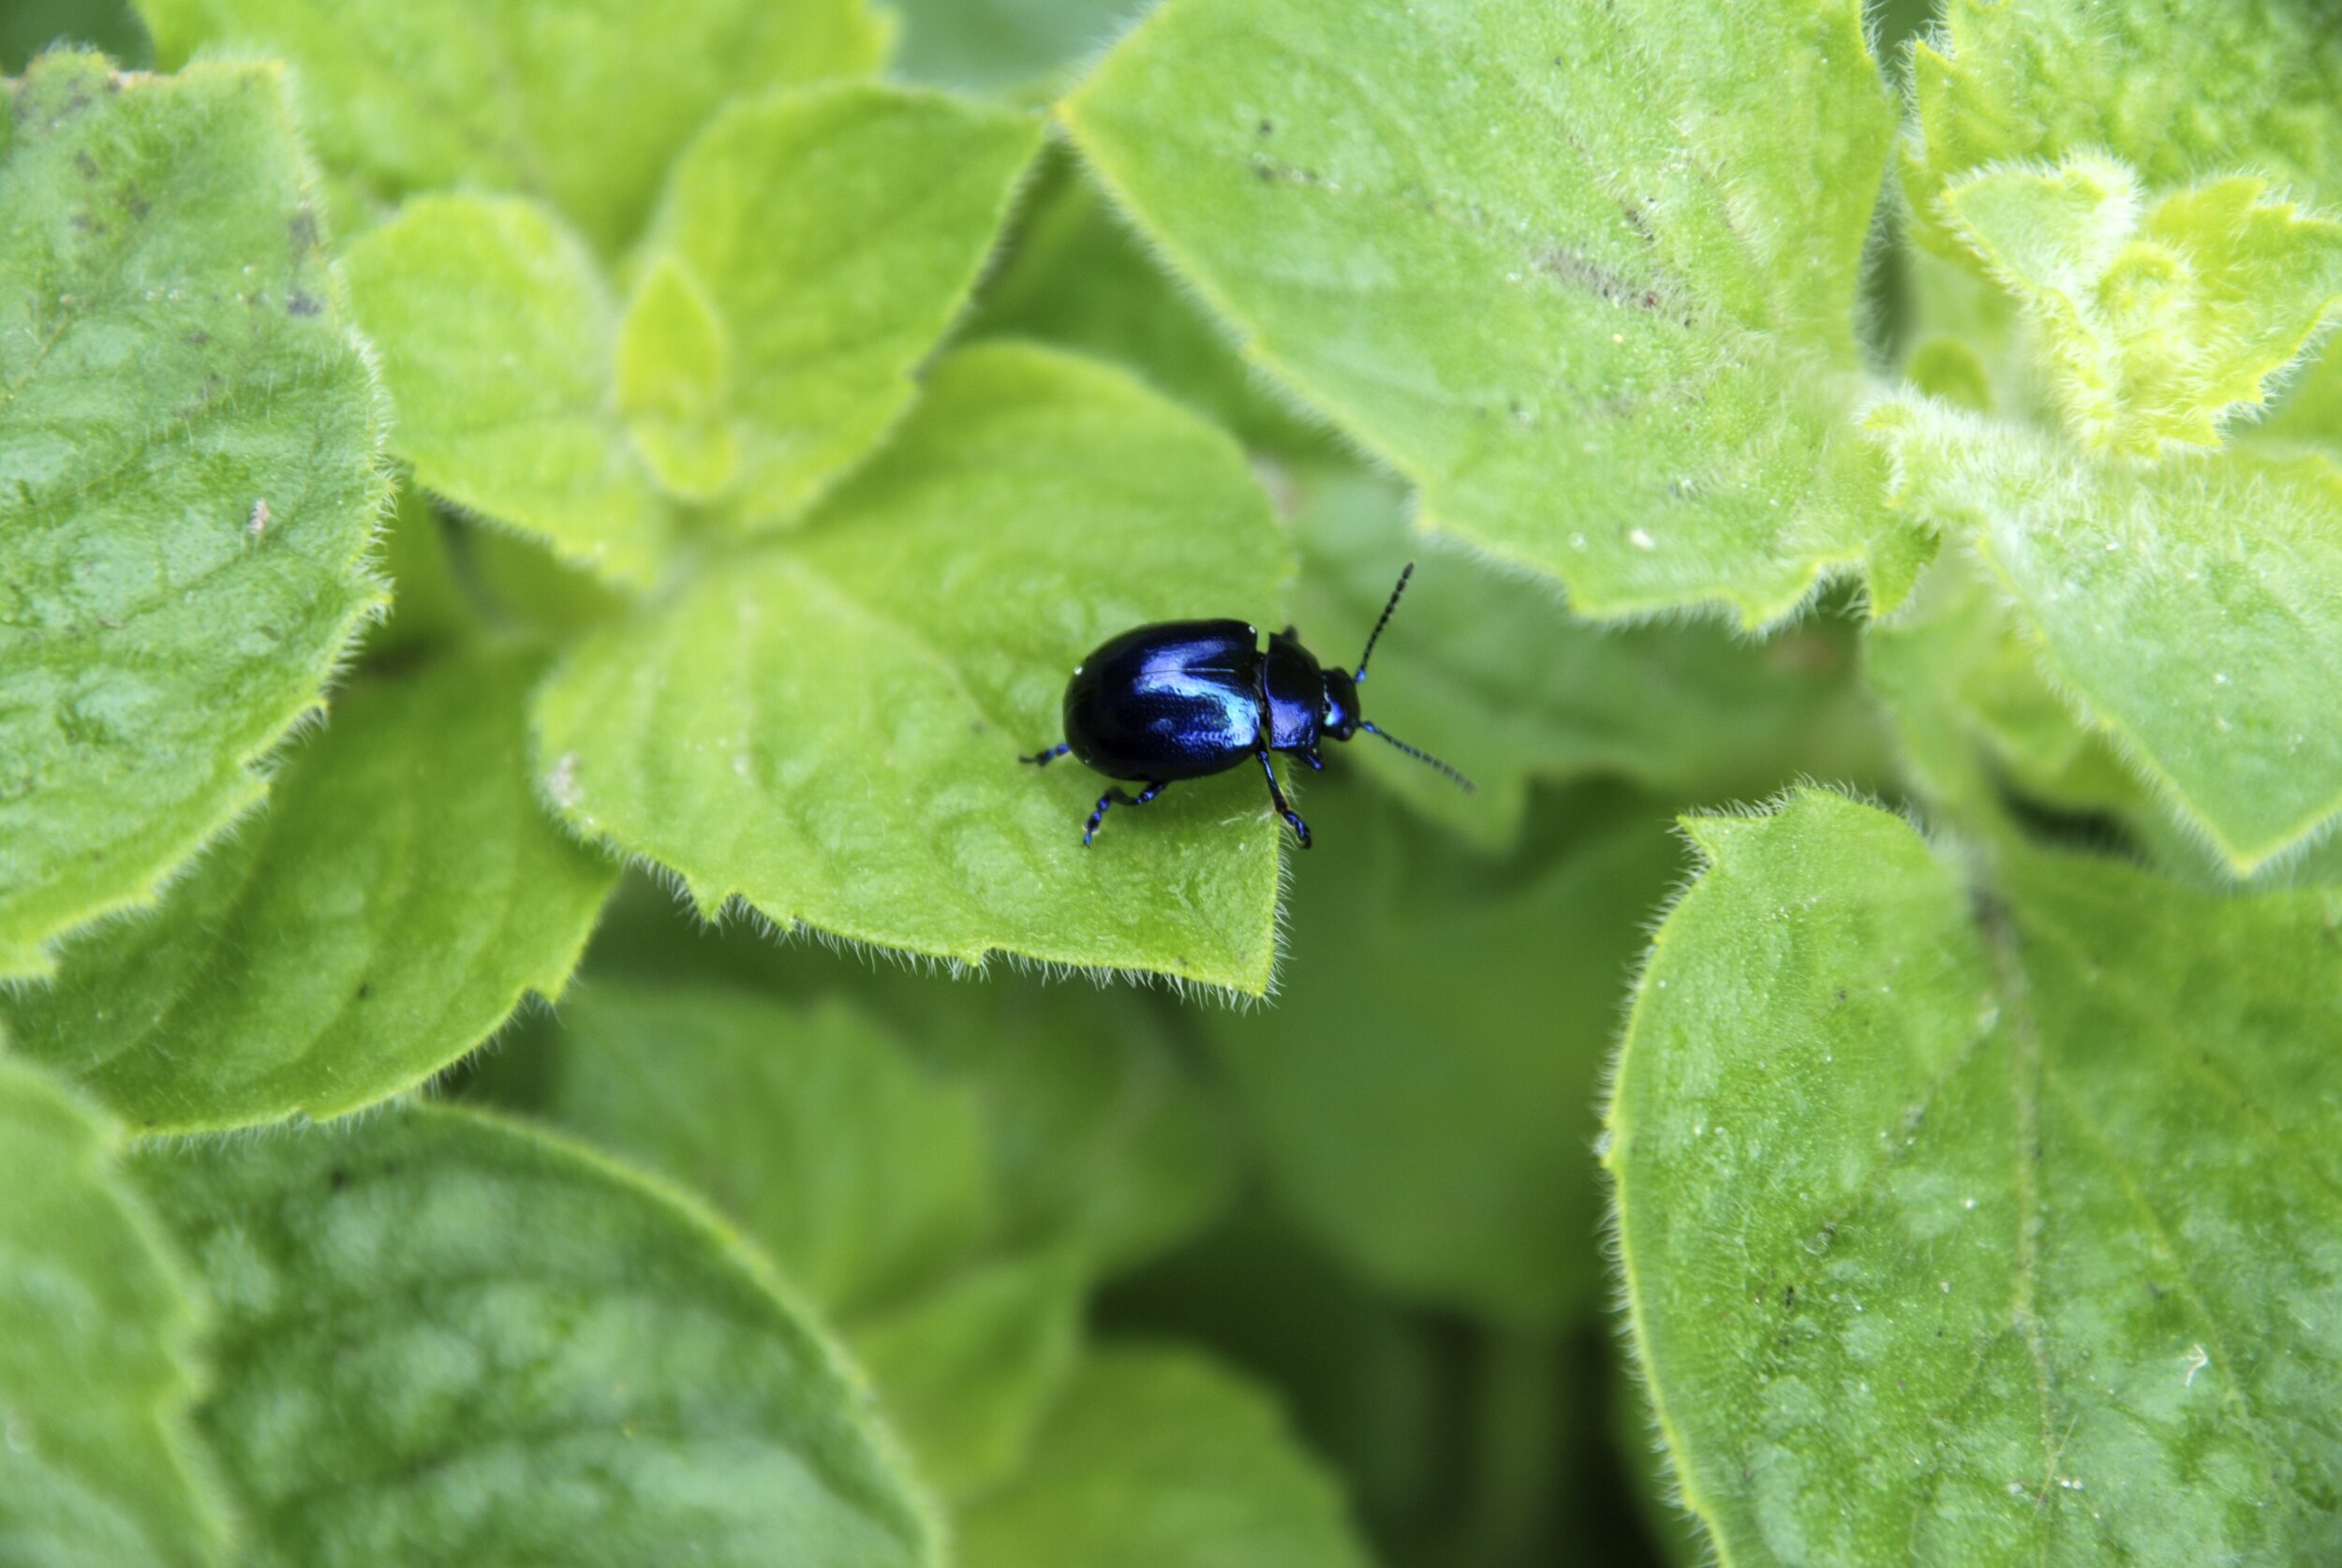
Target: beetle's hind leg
(1043, 759)
(1115, 797)
(1277, 799)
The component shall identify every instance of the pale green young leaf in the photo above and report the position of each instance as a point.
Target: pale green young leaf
(1490, 670)
(497, 337)
(187, 476)
(2192, 609)
(1963, 1226)
(402, 895)
(2155, 320)
(1423, 1089)
(827, 725)
(673, 381)
(95, 1339)
(860, 1175)
(443, 1338)
(581, 102)
(864, 1175)
(1157, 1458)
(826, 240)
(1585, 273)
(2174, 88)
(967, 1371)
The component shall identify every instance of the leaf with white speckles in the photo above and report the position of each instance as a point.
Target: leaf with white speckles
(96, 1354)
(1586, 274)
(442, 1337)
(401, 895)
(1985, 1225)
(188, 476)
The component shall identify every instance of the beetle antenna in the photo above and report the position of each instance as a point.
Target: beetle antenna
(1421, 756)
(1403, 575)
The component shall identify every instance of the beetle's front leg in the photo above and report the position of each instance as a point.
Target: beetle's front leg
(1115, 797)
(1277, 799)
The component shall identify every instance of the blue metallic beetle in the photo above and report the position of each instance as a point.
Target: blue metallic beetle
(1188, 699)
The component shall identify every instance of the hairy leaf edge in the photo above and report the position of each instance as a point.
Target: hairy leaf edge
(1751, 616)
(260, 764)
(1678, 1490)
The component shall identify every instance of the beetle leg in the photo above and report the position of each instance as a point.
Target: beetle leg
(1277, 799)
(1317, 763)
(1043, 759)
(1115, 797)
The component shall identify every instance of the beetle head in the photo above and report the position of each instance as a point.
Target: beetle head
(1340, 718)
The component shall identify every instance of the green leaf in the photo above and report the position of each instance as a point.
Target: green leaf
(442, 1338)
(2158, 322)
(187, 479)
(497, 335)
(1423, 1089)
(1073, 274)
(1112, 1151)
(581, 102)
(1674, 1531)
(863, 1176)
(429, 606)
(96, 1332)
(966, 1372)
(2311, 408)
(1490, 670)
(997, 44)
(860, 1176)
(819, 336)
(1585, 275)
(1378, 1390)
(1973, 712)
(2171, 87)
(827, 726)
(1968, 1225)
(403, 893)
(673, 379)
(2188, 607)
(1156, 1458)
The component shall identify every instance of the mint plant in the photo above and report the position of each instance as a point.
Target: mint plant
(542, 1020)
